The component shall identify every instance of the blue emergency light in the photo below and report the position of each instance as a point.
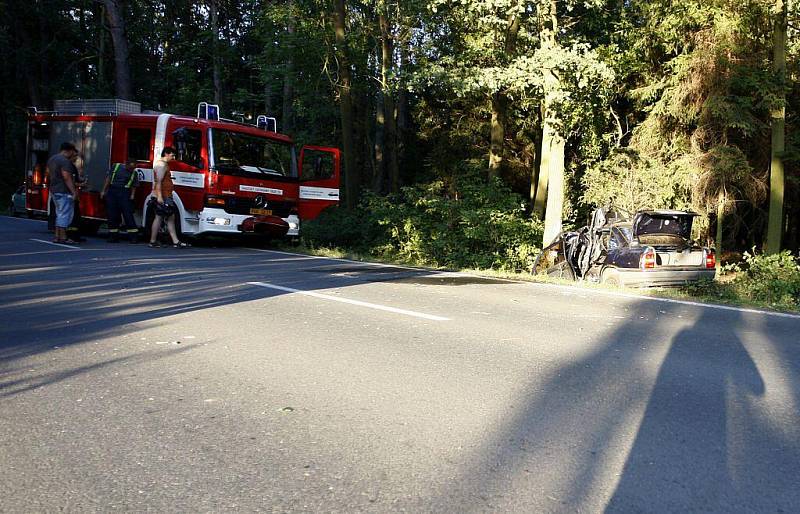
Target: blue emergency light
(265, 123)
(207, 111)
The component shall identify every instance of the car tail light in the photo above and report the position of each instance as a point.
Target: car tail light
(711, 259)
(37, 177)
(648, 259)
(215, 201)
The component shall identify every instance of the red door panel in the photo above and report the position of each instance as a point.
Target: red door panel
(320, 172)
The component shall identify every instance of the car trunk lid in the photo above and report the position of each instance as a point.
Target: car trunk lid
(686, 257)
(663, 228)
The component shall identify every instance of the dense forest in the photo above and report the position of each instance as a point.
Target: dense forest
(543, 108)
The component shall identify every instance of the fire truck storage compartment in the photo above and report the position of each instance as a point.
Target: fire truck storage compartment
(93, 141)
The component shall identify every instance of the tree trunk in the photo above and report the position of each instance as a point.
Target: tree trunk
(102, 84)
(288, 77)
(540, 200)
(32, 82)
(351, 175)
(402, 105)
(497, 135)
(390, 114)
(499, 100)
(267, 98)
(380, 131)
(535, 169)
(122, 71)
(553, 142)
(85, 45)
(216, 63)
(776, 172)
(720, 223)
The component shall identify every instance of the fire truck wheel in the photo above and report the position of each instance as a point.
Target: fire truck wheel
(90, 227)
(178, 230)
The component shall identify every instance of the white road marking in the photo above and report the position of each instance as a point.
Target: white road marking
(574, 290)
(24, 219)
(351, 302)
(55, 244)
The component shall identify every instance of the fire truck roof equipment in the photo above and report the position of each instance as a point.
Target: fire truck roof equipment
(108, 106)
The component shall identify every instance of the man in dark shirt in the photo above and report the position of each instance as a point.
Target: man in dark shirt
(74, 229)
(118, 191)
(62, 189)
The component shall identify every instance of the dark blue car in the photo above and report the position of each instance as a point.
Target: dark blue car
(651, 248)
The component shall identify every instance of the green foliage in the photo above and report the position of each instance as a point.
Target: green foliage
(771, 279)
(461, 223)
(630, 181)
(664, 103)
(700, 80)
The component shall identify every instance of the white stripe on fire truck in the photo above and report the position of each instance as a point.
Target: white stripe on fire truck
(179, 178)
(319, 193)
(161, 135)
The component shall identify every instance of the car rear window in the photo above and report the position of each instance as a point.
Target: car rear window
(664, 224)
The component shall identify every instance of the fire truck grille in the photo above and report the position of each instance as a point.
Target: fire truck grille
(243, 206)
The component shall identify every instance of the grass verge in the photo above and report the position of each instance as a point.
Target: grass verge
(737, 287)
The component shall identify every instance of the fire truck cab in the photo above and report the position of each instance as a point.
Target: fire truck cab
(229, 177)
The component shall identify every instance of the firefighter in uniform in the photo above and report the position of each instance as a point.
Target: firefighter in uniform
(118, 191)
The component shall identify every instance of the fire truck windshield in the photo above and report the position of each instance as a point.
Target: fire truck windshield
(245, 155)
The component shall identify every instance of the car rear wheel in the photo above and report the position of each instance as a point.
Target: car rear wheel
(611, 278)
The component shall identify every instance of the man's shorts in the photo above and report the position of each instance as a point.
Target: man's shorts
(166, 209)
(65, 209)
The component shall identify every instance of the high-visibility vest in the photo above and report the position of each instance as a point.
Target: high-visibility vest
(117, 167)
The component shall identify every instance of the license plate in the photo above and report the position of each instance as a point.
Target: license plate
(261, 212)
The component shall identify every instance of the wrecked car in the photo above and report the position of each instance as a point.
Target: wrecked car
(650, 248)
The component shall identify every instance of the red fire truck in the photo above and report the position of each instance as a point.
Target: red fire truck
(230, 177)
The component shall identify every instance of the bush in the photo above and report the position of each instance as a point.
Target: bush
(338, 227)
(771, 279)
(462, 223)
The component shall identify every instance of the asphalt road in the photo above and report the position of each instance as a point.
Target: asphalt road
(240, 379)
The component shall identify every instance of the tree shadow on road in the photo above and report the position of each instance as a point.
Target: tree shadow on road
(703, 440)
(75, 297)
(703, 444)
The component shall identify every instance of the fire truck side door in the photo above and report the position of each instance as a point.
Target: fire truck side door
(320, 172)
